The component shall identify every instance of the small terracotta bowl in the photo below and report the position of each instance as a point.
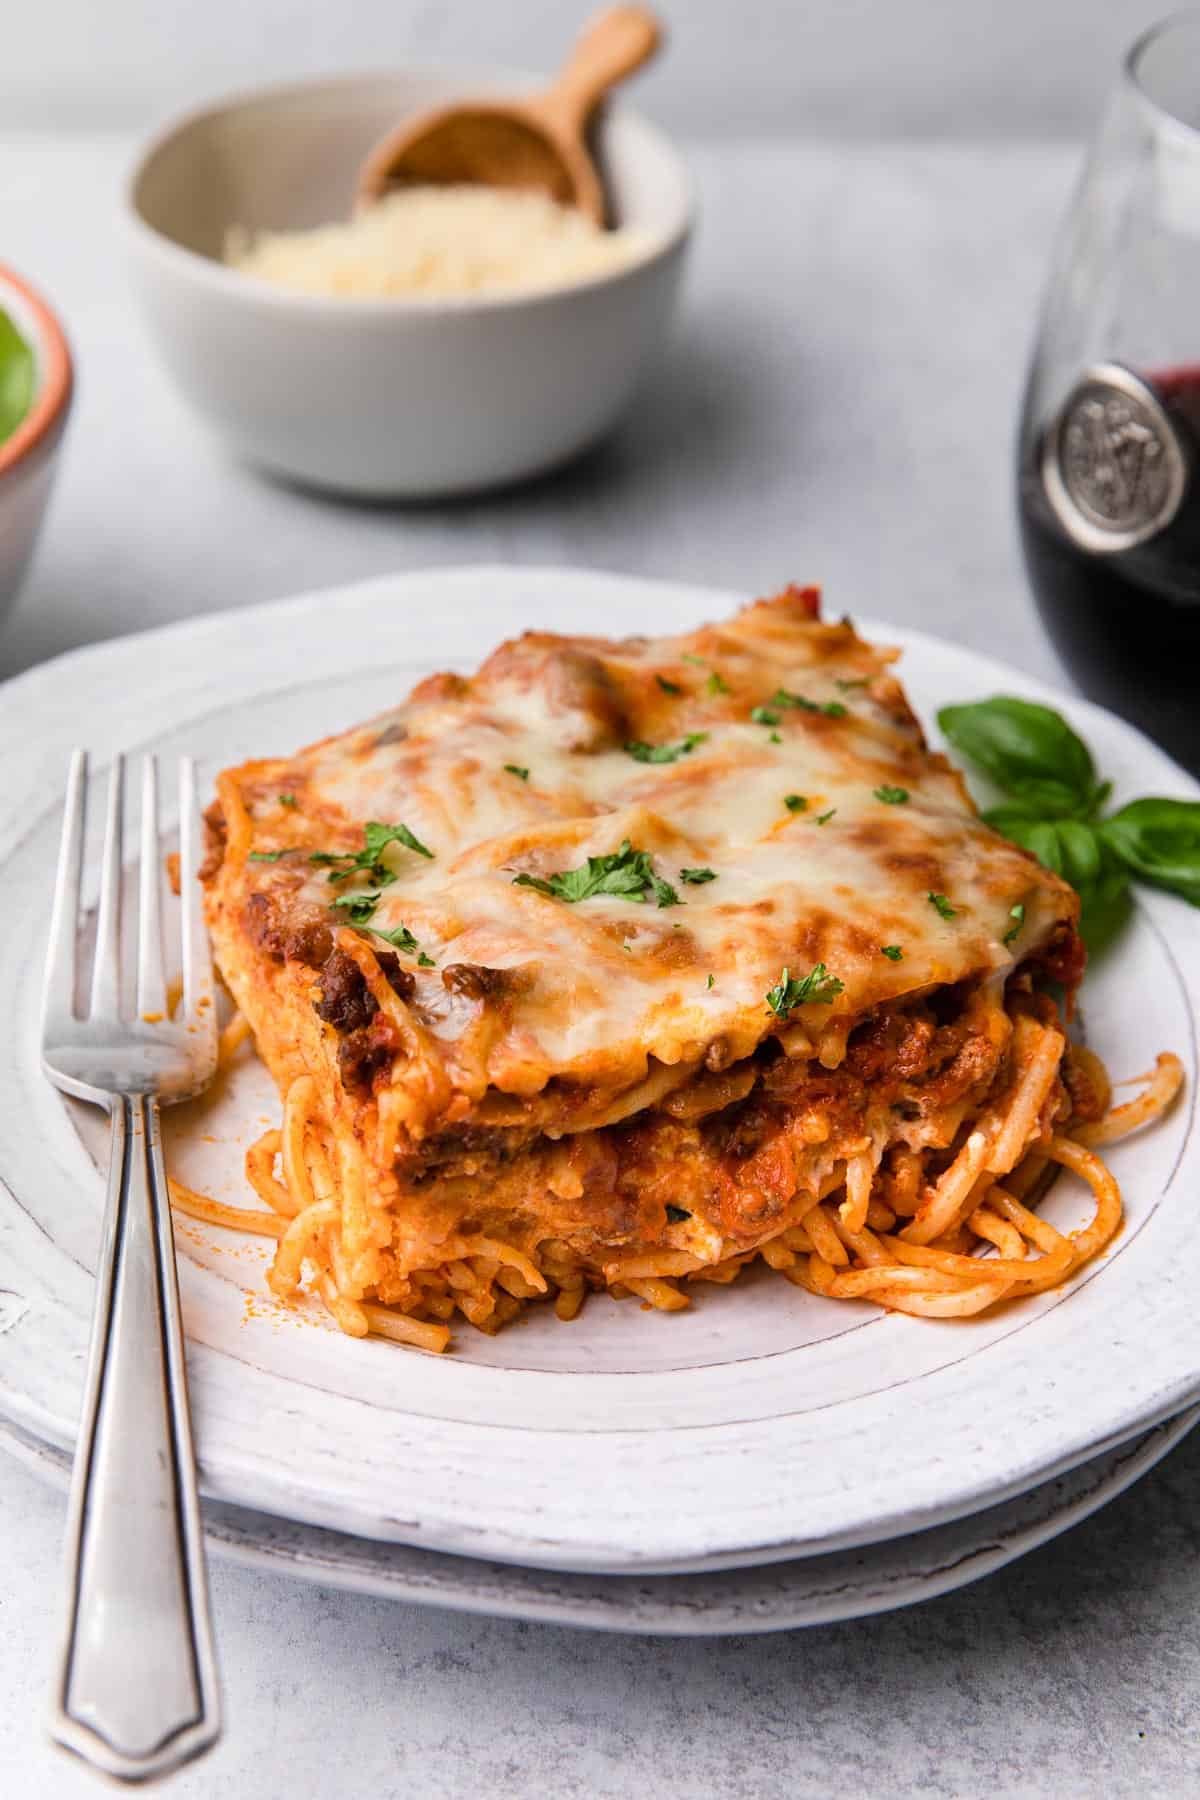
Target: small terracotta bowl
(29, 457)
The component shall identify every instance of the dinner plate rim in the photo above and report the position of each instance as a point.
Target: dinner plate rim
(829, 1589)
(1168, 1398)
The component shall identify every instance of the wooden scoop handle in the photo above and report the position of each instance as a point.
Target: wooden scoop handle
(610, 47)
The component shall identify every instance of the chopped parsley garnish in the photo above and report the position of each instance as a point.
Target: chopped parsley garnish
(665, 753)
(893, 952)
(941, 905)
(698, 660)
(516, 769)
(762, 715)
(795, 802)
(626, 873)
(1017, 915)
(711, 982)
(856, 681)
(668, 687)
(358, 908)
(717, 684)
(401, 938)
(697, 876)
(775, 738)
(368, 861)
(287, 800)
(892, 796)
(817, 988)
(677, 1214)
(377, 836)
(265, 855)
(824, 818)
(833, 709)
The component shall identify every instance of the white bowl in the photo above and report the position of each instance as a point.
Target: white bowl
(396, 397)
(28, 457)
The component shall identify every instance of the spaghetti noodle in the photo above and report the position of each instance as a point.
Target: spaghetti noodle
(946, 1269)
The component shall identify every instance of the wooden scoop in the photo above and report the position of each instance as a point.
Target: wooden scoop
(536, 142)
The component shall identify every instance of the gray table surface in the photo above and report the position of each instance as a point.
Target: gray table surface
(839, 404)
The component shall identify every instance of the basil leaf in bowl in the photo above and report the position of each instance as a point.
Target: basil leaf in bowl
(16, 377)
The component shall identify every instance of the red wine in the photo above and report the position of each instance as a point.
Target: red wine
(1127, 623)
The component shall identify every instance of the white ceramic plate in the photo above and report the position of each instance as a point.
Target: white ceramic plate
(816, 1590)
(763, 1424)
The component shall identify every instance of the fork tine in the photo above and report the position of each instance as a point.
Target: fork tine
(62, 950)
(151, 979)
(198, 1005)
(106, 973)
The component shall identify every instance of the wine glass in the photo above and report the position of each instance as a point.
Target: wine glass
(1109, 454)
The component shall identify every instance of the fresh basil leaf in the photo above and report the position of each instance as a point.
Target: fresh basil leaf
(1067, 846)
(265, 855)
(1010, 820)
(1028, 750)
(17, 377)
(697, 877)
(1160, 841)
(1081, 852)
(1081, 855)
(668, 687)
(1042, 841)
(1106, 907)
(795, 802)
(1032, 833)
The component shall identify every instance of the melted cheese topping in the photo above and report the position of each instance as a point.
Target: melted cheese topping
(607, 988)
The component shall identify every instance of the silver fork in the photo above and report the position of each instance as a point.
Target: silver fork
(136, 1693)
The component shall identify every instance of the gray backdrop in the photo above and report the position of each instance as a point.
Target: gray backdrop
(831, 67)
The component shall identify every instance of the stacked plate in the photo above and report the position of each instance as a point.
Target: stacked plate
(765, 1459)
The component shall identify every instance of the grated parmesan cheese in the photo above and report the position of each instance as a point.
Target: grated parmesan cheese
(438, 240)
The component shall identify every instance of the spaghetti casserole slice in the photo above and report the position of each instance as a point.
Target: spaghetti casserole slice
(619, 964)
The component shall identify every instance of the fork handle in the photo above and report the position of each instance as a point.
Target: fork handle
(137, 1690)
